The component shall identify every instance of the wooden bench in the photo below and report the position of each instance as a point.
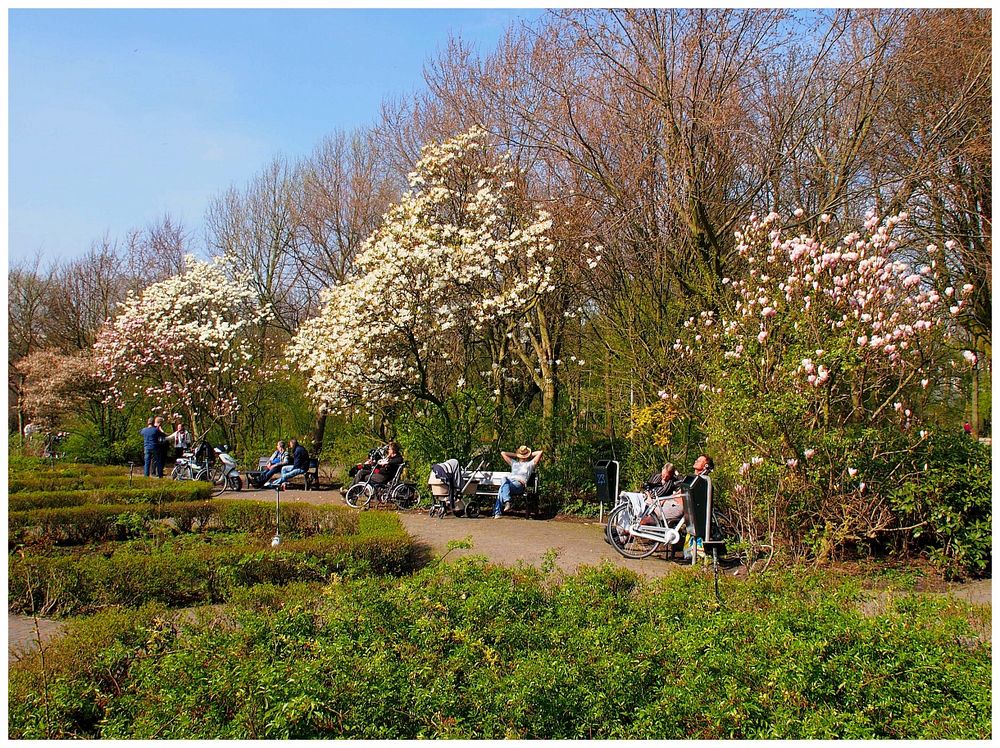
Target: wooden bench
(310, 478)
(489, 487)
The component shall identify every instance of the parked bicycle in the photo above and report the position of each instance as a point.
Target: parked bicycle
(200, 464)
(637, 527)
(394, 492)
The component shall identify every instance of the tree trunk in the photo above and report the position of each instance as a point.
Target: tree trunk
(319, 431)
(549, 392)
(975, 400)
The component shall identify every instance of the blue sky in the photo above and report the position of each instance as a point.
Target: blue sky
(117, 117)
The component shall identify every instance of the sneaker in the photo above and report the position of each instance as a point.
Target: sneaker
(507, 506)
(497, 516)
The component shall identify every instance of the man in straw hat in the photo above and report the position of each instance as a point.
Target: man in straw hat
(522, 464)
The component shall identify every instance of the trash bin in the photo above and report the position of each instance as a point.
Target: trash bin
(606, 478)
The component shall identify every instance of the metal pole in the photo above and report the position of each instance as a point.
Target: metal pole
(276, 540)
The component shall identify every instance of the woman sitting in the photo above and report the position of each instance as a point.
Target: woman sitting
(386, 468)
(522, 465)
(275, 461)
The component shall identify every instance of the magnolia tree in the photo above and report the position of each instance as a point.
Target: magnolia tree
(457, 258)
(61, 386)
(812, 373)
(190, 344)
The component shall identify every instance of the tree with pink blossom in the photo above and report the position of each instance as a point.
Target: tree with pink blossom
(812, 372)
(191, 345)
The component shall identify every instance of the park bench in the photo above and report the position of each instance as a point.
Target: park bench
(489, 487)
(310, 478)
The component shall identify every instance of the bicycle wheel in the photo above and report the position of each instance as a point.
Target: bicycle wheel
(403, 496)
(179, 472)
(216, 474)
(358, 496)
(621, 520)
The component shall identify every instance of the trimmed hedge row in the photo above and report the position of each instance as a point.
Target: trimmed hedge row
(166, 491)
(175, 576)
(81, 482)
(76, 525)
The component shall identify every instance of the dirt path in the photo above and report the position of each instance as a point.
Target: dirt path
(507, 540)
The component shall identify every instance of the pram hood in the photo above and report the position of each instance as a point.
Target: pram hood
(447, 471)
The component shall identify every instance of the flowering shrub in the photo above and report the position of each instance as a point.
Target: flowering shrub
(190, 343)
(456, 255)
(816, 359)
(61, 385)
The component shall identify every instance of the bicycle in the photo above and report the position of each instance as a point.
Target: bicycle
(395, 492)
(639, 530)
(189, 467)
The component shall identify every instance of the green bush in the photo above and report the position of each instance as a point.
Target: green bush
(92, 523)
(194, 569)
(470, 650)
(165, 491)
(950, 503)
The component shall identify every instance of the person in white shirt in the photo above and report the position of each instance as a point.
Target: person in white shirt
(522, 465)
(181, 439)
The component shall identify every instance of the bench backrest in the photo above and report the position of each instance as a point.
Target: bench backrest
(495, 478)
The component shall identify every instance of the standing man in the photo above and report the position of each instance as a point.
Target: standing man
(151, 448)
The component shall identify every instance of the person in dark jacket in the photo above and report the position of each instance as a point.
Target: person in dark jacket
(660, 486)
(152, 437)
(299, 464)
(664, 482)
(386, 468)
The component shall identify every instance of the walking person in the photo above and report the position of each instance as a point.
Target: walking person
(522, 465)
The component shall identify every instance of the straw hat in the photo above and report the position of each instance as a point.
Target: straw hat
(523, 452)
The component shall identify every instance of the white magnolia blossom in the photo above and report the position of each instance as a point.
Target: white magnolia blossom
(449, 260)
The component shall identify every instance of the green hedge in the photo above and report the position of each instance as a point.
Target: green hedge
(179, 574)
(93, 523)
(474, 651)
(165, 491)
(83, 482)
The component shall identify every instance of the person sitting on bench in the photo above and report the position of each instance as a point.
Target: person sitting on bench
(663, 488)
(275, 461)
(522, 465)
(299, 465)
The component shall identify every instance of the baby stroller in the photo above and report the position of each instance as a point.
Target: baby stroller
(453, 488)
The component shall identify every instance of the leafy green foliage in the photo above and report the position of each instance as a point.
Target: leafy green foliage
(162, 491)
(471, 650)
(191, 569)
(950, 503)
(75, 525)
